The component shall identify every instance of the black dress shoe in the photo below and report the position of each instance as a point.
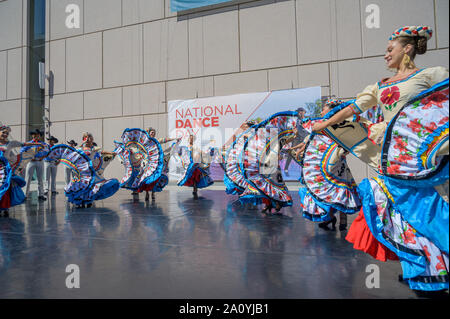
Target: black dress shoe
(267, 209)
(342, 227)
(42, 198)
(332, 221)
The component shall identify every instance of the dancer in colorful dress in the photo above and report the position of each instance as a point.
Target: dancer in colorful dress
(329, 184)
(11, 164)
(142, 157)
(259, 160)
(159, 184)
(68, 170)
(405, 209)
(234, 179)
(196, 172)
(100, 188)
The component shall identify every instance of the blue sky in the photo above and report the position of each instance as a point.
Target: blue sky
(287, 100)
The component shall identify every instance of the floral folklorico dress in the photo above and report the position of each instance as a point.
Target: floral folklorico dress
(259, 161)
(329, 184)
(405, 208)
(87, 164)
(142, 157)
(162, 181)
(12, 165)
(195, 169)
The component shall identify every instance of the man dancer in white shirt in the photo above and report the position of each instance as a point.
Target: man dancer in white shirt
(38, 166)
(51, 169)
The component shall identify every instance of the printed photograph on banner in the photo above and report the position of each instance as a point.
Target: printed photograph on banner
(216, 121)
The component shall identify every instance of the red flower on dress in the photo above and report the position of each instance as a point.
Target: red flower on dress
(404, 158)
(319, 179)
(390, 95)
(394, 169)
(322, 148)
(437, 98)
(443, 121)
(441, 264)
(415, 126)
(400, 144)
(427, 253)
(408, 237)
(431, 127)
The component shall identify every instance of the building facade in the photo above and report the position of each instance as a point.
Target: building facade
(113, 64)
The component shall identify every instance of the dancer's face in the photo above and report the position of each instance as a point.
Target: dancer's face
(325, 110)
(4, 134)
(394, 54)
(301, 115)
(152, 134)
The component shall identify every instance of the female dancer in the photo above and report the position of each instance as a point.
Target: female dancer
(329, 185)
(11, 193)
(234, 179)
(259, 160)
(196, 173)
(405, 209)
(68, 170)
(163, 180)
(99, 160)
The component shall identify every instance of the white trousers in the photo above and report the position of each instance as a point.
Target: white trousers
(50, 176)
(37, 166)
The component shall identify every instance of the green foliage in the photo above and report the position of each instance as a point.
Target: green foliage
(313, 109)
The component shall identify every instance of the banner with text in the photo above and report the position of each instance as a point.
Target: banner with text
(215, 120)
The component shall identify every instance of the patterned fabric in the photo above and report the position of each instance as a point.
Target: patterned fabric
(163, 180)
(86, 185)
(11, 151)
(332, 103)
(329, 182)
(35, 152)
(83, 173)
(5, 175)
(193, 173)
(416, 136)
(425, 266)
(373, 115)
(233, 171)
(142, 157)
(412, 31)
(259, 158)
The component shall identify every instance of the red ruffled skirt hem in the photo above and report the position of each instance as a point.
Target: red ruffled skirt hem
(195, 178)
(361, 237)
(5, 201)
(147, 188)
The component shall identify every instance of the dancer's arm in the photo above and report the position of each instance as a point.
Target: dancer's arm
(365, 100)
